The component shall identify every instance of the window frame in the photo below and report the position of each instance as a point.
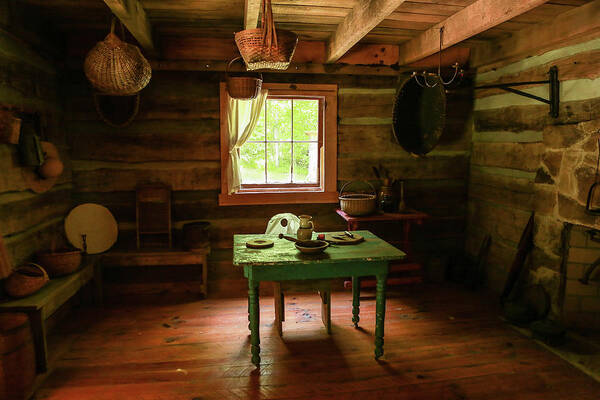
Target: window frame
(326, 192)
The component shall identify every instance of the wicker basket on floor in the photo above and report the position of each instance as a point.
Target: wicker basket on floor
(265, 47)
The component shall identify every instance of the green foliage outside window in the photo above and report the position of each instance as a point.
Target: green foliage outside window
(283, 148)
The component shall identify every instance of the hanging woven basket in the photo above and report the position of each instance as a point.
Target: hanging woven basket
(242, 87)
(117, 68)
(265, 47)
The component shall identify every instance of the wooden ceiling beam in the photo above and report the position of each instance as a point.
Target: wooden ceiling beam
(133, 16)
(470, 21)
(574, 26)
(251, 12)
(365, 16)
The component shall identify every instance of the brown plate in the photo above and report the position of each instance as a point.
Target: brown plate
(341, 238)
(259, 244)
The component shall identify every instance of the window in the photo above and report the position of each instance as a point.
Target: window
(291, 154)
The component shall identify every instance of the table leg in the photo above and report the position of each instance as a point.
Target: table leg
(326, 309)
(380, 315)
(355, 300)
(254, 315)
(204, 286)
(98, 287)
(279, 307)
(38, 326)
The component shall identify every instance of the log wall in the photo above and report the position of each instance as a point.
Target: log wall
(523, 160)
(29, 83)
(175, 139)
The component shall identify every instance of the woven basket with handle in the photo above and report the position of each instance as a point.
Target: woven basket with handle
(117, 68)
(264, 47)
(356, 204)
(25, 280)
(242, 87)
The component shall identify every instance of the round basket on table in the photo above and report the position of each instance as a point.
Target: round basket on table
(356, 204)
(25, 280)
(242, 87)
(265, 47)
(60, 263)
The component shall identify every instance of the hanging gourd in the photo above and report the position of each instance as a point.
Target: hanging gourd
(265, 47)
(117, 68)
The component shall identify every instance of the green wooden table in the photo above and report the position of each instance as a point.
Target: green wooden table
(284, 262)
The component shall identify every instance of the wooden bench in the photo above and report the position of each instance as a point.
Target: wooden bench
(160, 257)
(47, 300)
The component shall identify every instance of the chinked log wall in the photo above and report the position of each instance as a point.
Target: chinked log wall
(175, 139)
(523, 160)
(29, 83)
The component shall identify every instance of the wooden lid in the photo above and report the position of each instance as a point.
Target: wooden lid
(94, 221)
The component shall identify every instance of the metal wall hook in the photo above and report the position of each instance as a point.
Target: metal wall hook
(553, 90)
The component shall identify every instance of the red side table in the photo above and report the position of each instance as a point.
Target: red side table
(385, 225)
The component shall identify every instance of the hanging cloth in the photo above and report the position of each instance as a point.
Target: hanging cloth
(242, 116)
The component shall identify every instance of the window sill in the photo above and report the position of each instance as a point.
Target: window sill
(240, 199)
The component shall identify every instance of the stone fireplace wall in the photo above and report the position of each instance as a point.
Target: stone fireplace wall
(525, 161)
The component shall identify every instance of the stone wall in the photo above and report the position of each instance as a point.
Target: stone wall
(582, 300)
(525, 161)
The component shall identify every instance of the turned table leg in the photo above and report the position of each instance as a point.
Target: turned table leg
(279, 307)
(380, 315)
(355, 300)
(254, 314)
(326, 309)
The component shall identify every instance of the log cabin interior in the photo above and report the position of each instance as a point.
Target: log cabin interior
(299, 199)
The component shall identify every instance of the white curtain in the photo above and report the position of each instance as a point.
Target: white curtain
(242, 116)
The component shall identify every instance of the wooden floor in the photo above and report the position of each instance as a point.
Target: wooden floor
(440, 343)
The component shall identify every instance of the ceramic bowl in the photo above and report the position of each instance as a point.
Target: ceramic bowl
(312, 246)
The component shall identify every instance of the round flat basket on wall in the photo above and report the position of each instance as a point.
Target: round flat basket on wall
(97, 224)
(419, 115)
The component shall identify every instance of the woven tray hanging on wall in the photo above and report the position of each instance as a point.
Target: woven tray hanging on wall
(117, 68)
(266, 47)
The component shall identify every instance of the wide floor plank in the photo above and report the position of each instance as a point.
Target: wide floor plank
(440, 343)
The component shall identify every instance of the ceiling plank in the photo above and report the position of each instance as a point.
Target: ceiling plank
(476, 18)
(574, 26)
(132, 15)
(251, 12)
(365, 16)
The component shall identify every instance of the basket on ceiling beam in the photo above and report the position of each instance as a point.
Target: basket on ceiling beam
(265, 47)
(115, 67)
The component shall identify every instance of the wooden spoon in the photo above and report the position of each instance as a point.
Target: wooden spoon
(290, 238)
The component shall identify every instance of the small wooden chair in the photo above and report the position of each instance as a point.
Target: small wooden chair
(322, 286)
